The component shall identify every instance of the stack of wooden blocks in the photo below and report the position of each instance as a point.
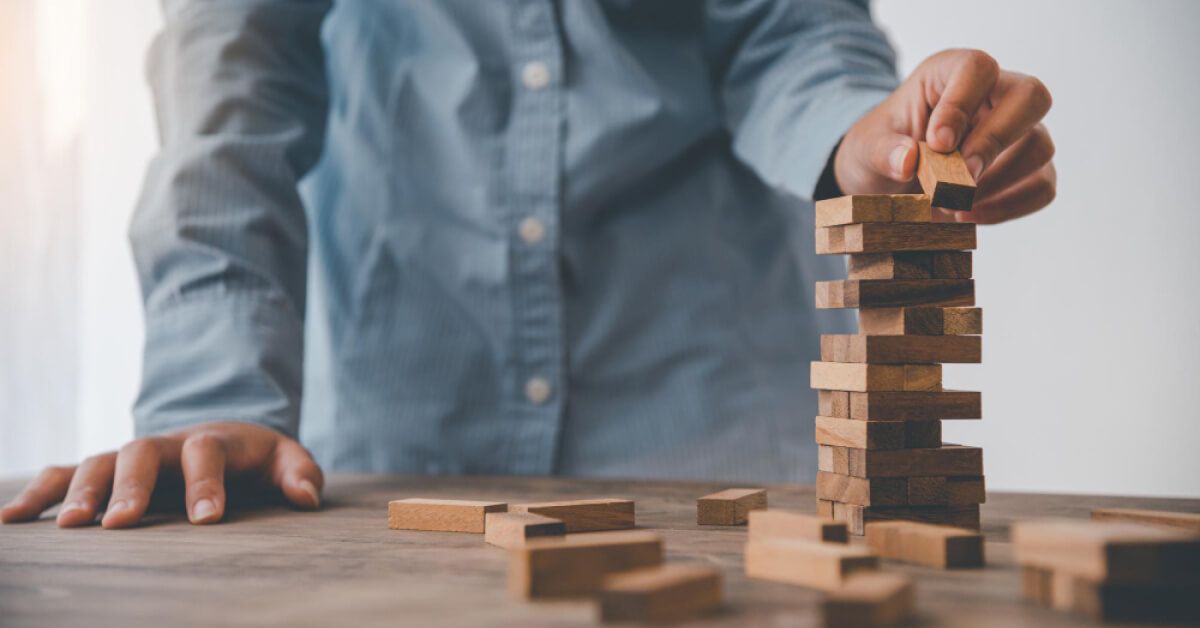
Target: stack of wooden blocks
(881, 400)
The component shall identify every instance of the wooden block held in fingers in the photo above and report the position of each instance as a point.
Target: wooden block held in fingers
(862, 491)
(785, 524)
(915, 405)
(894, 237)
(855, 208)
(513, 529)
(823, 566)
(911, 208)
(440, 515)
(866, 293)
(943, 547)
(833, 403)
(1121, 552)
(666, 593)
(945, 178)
(860, 434)
(900, 349)
(856, 517)
(848, 376)
(1188, 521)
(585, 515)
(869, 600)
(730, 507)
(577, 564)
(921, 321)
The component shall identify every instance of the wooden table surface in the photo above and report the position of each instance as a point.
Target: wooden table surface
(342, 566)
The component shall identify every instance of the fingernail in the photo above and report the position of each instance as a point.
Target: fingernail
(975, 165)
(946, 136)
(69, 506)
(897, 160)
(116, 506)
(203, 510)
(311, 489)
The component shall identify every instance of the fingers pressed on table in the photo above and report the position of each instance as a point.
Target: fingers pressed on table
(297, 474)
(202, 459)
(47, 489)
(136, 473)
(89, 488)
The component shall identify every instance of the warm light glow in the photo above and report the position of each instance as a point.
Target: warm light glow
(61, 42)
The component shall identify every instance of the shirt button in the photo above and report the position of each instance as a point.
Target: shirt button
(537, 390)
(535, 75)
(532, 230)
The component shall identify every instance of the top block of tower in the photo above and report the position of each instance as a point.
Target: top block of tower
(861, 208)
(945, 178)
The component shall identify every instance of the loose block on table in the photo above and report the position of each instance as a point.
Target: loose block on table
(1118, 552)
(585, 515)
(577, 564)
(440, 515)
(513, 529)
(786, 524)
(1106, 601)
(900, 349)
(854, 293)
(895, 237)
(915, 405)
(822, 566)
(667, 593)
(912, 265)
(1189, 521)
(869, 599)
(945, 178)
(729, 507)
(926, 544)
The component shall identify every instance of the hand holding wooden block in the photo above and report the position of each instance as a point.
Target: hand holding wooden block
(945, 178)
(514, 529)
(729, 507)
(667, 593)
(868, 600)
(585, 515)
(440, 515)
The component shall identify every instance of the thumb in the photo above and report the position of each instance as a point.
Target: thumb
(297, 474)
(893, 156)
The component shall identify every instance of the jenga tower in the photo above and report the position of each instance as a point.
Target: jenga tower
(881, 402)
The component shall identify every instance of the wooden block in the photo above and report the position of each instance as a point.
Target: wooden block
(911, 208)
(1189, 521)
(852, 293)
(585, 515)
(943, 547)
(862, 491)
(825, 510)
(823, 566)
(921, 321)
(920, 265)
(945, 178)
(577, 564)
(667, 593)
(946, 460)
(952, 265)
(848, 376)
(1036, 584)
(921, 434)
(869, 599)
(855, 208)
(834, 403)
(514, 529)
(861, 434)
(1118, 552)
(893, 237)
(440, 515)
(963, 490)
(856, 517)
(1159, 602)
(833, 459)
(900, 349)
(915, 405)
(729, 507)
(785, 524)
(925, 491)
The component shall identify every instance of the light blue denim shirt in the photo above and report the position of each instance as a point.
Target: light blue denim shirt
(494, 236)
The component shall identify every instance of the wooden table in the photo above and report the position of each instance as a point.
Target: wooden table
(342, 566)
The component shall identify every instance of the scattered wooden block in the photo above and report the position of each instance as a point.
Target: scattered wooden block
(440, 515)
(893, 237)
(785, 524)
(945, 178)
(918, 265)
(862, 491)
(869, 599)
(514, 529)
(1116, 552)
(900, 349)
(856, 517)
(823, 566)
(1101, 601)
(943, 547)
(848, 376)
(834, 403)
(855, 208)
(915, 405)
(667, 593)
(730, 507)
(854, 293)
(1036, 584)
(1182, 520)
(947, 460)
(921, 321)
(577, 564)
(585, 515)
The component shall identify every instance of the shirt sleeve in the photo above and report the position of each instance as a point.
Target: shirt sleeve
(219, 235)
(793, 76)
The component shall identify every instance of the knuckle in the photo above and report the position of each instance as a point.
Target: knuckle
(202, 441)
(1047, 191)
(205, 486)
(981, 62)
(139, 447)
(1035, 92)
(1043, 145)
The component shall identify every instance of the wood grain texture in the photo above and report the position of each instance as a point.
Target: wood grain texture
(896, 491)
(854, 293)
(1101, 601)
(577, 564)
(945, 178)
(911, 208)
(855, 208)
(823, 566)
(931, 545)
(848, 376)
(513, 529)
(440, 515)
(730, 507)
(860, 434)
(585, 515)
(901, 349)
(667, 593)
(790, 524)
(1189, 521)
(857, 517)
(835, 403)
(1118, 552)
(947, 460)
(870, 600)
(893, 237)
(921, 321)
(915, 405)
(920, 265)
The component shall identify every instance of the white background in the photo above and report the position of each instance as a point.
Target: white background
(1091, 379)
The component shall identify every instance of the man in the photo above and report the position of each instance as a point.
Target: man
(547, 237)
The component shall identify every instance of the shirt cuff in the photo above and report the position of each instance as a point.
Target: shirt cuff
(820, 129)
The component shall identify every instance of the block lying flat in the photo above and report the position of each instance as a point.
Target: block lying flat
(901, 349)
(1189, 521)
(849, 376)
(854, 293)
(943, 547)
(577, 564)
(921, 321)
(585, 515)
(1159, 602)
(798, 526)
(857, 517)
(514, 529)
(895, 237)
(947, 460)
(823, 566)
(667, 593)
(945, 178)
(1116, 552)
(858, 434)
(730, 507)
(854, 208)
(916, 405)
(440, 515)
(913, 265)
(900, 491)
(868, 600)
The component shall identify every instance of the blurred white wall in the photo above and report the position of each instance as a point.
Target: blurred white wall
(1091, 377)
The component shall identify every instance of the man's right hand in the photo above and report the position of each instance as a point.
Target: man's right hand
(202, 455)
